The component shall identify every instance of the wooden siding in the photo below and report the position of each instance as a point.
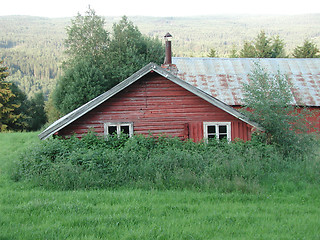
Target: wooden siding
(315, 119)
(157, 105)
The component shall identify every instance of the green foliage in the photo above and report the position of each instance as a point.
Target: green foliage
(32, 48)
(97, 65)
(20, 99)
(264, 47)
(212, 53)
(23, 114)
(308, 50)
(80, 83)
(234, 52)
(130, 50)
(248, 50)
(7, 107)
(149, 162)
(270, 101)
(87, 37)
(278, 48)
(34, 62)
(51, 110)
(84, 77)
(286, 208)
(36, 112)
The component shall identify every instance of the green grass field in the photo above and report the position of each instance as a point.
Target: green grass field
(34, 213)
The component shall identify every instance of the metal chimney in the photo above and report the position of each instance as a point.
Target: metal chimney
(168, 57)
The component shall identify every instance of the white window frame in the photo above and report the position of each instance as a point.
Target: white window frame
(118, 125)
(216, 124)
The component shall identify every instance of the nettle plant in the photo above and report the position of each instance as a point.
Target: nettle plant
(269, 101)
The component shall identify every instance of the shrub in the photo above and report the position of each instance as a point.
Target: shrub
(270, 100)
(158, 162)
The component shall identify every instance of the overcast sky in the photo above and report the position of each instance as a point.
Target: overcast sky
(69, 8)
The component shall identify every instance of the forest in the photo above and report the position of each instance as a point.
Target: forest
(33, 47)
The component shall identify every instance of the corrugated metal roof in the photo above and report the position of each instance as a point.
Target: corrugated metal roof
(223, 77)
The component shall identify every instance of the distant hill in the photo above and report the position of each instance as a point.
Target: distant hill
(32, 47)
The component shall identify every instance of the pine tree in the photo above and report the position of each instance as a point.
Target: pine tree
(264, 47)
(307, 50)
(248, 51)
(212, 53)
(7, 115)
(20, 99)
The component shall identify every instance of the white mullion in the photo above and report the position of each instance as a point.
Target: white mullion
(118, 129)
(217, 131)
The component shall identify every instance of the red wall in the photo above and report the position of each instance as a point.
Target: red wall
(314, 118)
(157, 105)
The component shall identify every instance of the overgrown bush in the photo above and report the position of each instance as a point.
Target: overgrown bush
(273, 105)
(158, 162)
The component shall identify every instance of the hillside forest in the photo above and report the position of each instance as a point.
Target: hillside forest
(33, 48)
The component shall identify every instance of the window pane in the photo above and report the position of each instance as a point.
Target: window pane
(112, 130)
(211, 136)
(222, 136)
(211, 129)
(223, 129)
(124, 129)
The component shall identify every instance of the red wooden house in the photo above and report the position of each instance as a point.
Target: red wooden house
(153, 100)
(190, 98)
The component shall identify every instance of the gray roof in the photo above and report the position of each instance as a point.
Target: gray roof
(77, 113)
(223, 77)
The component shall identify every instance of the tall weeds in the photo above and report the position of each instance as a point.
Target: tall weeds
(161, 162)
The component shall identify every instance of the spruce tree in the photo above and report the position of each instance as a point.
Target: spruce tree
(307, 50)
(264, 47)
(7, 115)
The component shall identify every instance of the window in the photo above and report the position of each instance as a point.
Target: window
(118, 128)
(218, 130)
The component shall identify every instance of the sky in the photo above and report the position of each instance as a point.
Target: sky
(160, 8)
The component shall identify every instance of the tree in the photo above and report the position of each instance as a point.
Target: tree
(264, 47)
(51, 111)
(234, 52)
(278, 48)
(87, 37)
(212, 53)
(37, 115)
(84, 72)
(20, 99)
(30, 111)
(97, 63)
(307, 50)
(7, 115)
(130, 50)
(248, 51)
(80, 83)
(270, 101)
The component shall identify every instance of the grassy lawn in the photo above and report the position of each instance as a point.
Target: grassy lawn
(33, 213)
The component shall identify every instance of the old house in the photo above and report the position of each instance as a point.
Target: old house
(191, 98)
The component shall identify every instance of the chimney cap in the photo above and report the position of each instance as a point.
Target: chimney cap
(168, 37)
